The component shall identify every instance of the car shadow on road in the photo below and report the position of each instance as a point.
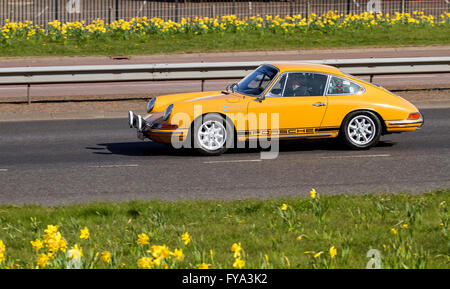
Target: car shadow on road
(139, 148)
(146, 148)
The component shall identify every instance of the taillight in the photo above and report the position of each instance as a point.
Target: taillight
(414, 115)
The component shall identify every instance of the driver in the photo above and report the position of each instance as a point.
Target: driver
(296, 85)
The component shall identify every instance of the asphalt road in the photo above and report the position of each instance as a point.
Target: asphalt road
(74, 161)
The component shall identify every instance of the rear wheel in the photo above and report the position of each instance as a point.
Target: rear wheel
(361, 130)
(210, 134)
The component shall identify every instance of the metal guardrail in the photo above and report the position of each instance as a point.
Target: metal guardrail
(206, 71)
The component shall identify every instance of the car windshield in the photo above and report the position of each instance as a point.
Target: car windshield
(256, 82)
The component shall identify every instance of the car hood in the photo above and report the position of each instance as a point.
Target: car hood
(164, 100)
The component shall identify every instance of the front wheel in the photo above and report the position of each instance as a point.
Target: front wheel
(211, 134)
(361, 130)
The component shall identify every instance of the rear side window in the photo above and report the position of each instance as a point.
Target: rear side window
(343, 86)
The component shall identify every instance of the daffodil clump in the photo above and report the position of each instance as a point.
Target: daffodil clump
(143, 27)
(160, 256)
(51, 251)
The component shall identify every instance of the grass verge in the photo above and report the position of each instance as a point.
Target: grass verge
(398, 35)
(410, 231)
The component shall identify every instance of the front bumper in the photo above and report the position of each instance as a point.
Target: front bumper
(151, 128)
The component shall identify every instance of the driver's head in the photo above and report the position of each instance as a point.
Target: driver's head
(295, 81)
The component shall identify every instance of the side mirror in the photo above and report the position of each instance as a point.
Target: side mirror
(261, 98)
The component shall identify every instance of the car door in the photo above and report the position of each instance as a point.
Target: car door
(297, 98)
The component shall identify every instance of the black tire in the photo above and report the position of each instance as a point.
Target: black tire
(360, 130)
(217, 122)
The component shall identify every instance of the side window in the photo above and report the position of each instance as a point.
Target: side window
(305, 84)
(343, 86)
(277, 88)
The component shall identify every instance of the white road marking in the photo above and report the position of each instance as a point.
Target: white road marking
(114, 166)
(358, 156)
(3, 170)
(232, 161)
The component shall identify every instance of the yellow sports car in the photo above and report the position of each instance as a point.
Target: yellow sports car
(279, 101)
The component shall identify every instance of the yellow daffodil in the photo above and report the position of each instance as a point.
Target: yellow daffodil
(186, 238)
(145, 263)
(2, 251)
(84, 233)
(37, 244)
(239, 263)
(317, 255)
(313, 194)
(143, 239)
(42, 260)
(159, 252)
(2, 246)
(284, 207)
(202, 266)
(236, 249)
(178, 254)
(51, 229)
(106, 257)
(333, 252)
(75, 252)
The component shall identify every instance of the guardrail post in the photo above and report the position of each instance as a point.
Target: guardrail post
(110, 15)
(117, 10)
(56, 10)
(176, 11)
(28, 93)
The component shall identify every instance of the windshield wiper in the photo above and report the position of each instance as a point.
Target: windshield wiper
(227, 90)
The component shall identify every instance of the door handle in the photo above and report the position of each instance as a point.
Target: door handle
(319, 104)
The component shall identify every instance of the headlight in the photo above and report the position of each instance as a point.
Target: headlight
(151, 104)
(167, 112)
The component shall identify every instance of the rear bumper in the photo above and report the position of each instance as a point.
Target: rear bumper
(405, 124)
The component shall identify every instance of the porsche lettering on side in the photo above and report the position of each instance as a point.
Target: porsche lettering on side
(309, 101)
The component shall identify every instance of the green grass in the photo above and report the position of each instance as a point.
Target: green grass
(398, 35)
(353, 224)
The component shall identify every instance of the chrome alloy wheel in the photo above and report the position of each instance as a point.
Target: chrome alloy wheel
(212, 135)
(361, 130)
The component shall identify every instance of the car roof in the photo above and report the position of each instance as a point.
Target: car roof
(304, 66)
